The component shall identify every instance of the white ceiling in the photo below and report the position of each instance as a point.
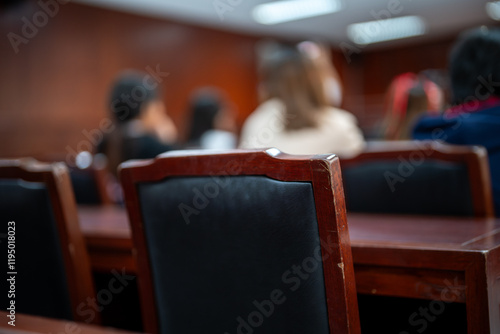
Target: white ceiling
(443, 17)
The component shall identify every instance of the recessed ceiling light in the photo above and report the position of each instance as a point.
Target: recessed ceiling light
(290, 10)
(386, 30)
(493, 10)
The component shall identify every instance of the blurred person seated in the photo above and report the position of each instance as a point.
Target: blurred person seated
(211, 124)
(440, 78)
(320, 57)
(474, 118)
(408, 97)
(142, 128)
(299, 89)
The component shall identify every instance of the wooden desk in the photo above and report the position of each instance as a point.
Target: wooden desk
(28, 324)
(443, 259)
(108, 236)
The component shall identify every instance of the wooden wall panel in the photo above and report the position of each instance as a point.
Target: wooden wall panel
(368, 75)
(56, 86)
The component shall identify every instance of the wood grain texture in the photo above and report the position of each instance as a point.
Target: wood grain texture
(74, 251)
(322, 171)
(450, 259)
(28, 324)
(447, 258)
(55, 87)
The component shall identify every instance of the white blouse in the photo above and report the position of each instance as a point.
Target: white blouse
(337, 132)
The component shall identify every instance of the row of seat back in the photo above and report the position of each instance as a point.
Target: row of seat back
(419, 177)
(273, 241)
(91, 182)
(235, 240)
(50, 267)
(90, 177)
(231, 242)
(199, 223)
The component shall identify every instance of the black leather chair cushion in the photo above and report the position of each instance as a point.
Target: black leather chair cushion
(434, 188)
(40, 287)
(239, 246)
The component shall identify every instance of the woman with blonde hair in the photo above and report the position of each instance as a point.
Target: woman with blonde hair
(296, 115)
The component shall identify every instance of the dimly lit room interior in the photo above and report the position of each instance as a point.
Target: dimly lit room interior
(250, 166)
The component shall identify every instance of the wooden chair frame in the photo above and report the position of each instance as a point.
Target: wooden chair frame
(322, 171)
(77, 263)
(99, 170)
(474, 157)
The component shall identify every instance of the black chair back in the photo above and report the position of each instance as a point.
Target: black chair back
(238, 242)
(419, 178)
(49, 269)
(40, 281)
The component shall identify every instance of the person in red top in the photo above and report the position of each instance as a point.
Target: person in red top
(408, 97)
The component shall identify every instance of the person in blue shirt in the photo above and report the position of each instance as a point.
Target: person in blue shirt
(474, 118)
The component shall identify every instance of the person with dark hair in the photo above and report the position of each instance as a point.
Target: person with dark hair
(142, 128)
(212, 121)
(474, 118)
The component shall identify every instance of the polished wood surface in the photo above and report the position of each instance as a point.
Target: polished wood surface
(446, 259)
(475, 158)
(28, 324)
(436, 258)
(60, 107)
(56, 178)
(109, 238)
(67, 69)
(321, 171)
(424, 232)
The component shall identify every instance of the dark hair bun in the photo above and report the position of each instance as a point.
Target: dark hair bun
(129, 94)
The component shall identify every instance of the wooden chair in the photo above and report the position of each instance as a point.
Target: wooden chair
(28, 324)
(419, 177)
(228, 242)
(89, 174)
(53, 270)
(90, 183)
